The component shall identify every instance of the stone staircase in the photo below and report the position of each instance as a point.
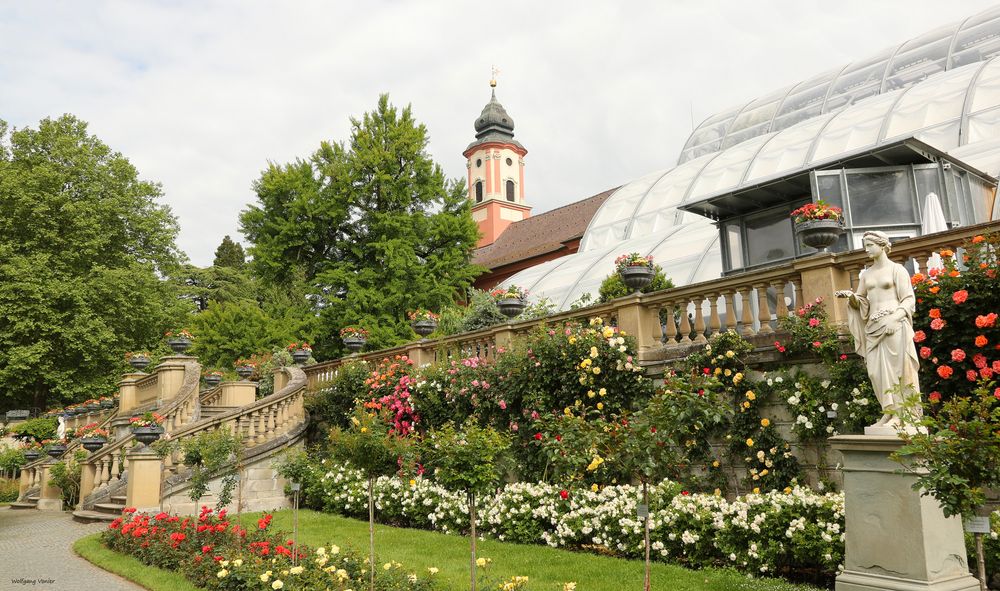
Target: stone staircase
(30, 501)
(102, 511)
(210, 412)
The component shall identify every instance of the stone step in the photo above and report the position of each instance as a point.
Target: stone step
(214, 411)
(113, 509)
(26, 504)
(92, 516)
(119, 499)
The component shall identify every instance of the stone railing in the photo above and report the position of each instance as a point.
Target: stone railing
(93, 416)
(669, 323)
(102, 470)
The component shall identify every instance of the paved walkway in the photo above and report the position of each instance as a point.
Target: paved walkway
(36, 546)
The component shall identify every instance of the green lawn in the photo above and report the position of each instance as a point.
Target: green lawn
(547, 568)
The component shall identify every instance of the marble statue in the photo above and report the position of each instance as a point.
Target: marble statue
(880, 318)
(61, 429)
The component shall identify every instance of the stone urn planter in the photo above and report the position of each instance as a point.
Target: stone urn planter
(56, 449)
(179, 344)
(147, 435)
(424, 327)
(139, 362)
(244, 371)
(213, 381)
(107, 403)
(819, 234)
(511, 307)
(32, 455)
(300, 356)
(354, 343)
(94, 406)
(92, 443)
(637, 277)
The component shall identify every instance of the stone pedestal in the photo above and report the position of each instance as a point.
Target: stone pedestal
(145, 470)
(50, 497)
(240, 393)
(896, 539)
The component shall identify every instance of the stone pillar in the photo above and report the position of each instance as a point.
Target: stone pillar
(144, 472)
(420, 354)
(504, 337)
(821, 277)
(895, 539)
(27, 476)
(50, 498)
(127, 391)
(280, 379)
(88, 474)
(170, 377)
(240, 393)
(641, 322)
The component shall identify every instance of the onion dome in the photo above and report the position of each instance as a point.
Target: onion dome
(494, 124)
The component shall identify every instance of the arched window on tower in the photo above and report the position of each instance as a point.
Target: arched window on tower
(479, 191)
(510, 190)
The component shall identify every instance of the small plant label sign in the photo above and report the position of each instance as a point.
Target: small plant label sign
(642, 511)
(977, 525)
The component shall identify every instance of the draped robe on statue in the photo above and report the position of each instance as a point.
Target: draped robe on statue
(891, 359)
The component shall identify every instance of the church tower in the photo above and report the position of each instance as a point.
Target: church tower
(496, 172)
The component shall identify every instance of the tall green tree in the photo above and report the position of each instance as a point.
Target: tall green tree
(371, 225)
(83, 243)
(230, 254)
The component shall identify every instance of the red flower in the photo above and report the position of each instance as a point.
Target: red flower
(996, 365)
(960, 296)
(957, 355)
(161, 516)
(707, 371)
(996, 393)
(937, 324)
(934, 397)
(925, 352)
(817, 344)
(935, 313)
(206, 549)
(944, 371)
(971, 375)
(986, 373)
(981, 341)
(685, 493)
(919, 336)
(843, 356)
(564, 494)
(979, 360)
(538, 436)
(558, 437)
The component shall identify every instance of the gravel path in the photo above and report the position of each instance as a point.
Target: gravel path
(36, 553)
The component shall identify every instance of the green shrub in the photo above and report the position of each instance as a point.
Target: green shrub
(9, 490)
(66, 475)
(11, 459)
(331, 403)
(36, 429)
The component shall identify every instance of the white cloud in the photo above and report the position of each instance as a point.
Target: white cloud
(201, 95)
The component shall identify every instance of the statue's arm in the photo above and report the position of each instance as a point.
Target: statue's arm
(904, 292)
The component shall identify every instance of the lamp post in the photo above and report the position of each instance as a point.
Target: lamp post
(296, 487)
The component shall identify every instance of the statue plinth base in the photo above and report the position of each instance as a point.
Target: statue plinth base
(895, 539)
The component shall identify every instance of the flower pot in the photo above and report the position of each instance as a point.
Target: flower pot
(424, 327)
(32, 455)
(92, 443)
(94, 406)
(180, 344)
(637, 277)
(55, 450)
(819, 234)
(139, 362)
(511, 307)
(354, 343)
(300, 356)
(244, 371)
(214, 381)
(147, 435)
(107, 403)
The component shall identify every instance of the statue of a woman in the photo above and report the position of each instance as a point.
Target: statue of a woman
(880, 317)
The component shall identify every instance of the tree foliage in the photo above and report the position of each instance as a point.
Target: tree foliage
(372, 226)
(82, 242)
(230, 254)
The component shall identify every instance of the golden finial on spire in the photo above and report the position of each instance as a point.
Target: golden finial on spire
(493, 78)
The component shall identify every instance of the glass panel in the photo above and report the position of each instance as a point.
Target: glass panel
(932, 103)
(758, 115)
(986, 93)
(769, 237)
(786, 151)
(880, 198)
(805, 101)
(921, 57)
(726, 170)
(830, 189)
(983, 126)
(943, 137)
(928, 181)
(622, 202)
(859, 81)
(853, 128)
(712, 129)
(669, 191)
(979, 39)
(734, 242)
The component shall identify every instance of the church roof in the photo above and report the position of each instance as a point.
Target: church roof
(540, 234)
(494, 125)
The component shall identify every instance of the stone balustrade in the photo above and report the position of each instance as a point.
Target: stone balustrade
(668, 323)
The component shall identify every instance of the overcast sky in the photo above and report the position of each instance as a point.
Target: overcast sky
(201, 95)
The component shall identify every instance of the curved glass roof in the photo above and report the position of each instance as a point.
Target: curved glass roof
(975, 39)
(956, 111)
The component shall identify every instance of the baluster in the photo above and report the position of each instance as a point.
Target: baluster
(104, 471)
(671, 325)
(261, 428)
(714, 324)
(763, 310)
(797, 292)
(746, 316)
(699, 320)
(251, 434)
(685, 322)
(730, 302)
(115, 470)
(270, 422)
(781, 308)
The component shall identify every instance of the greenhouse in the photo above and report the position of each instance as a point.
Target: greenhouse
(876, 137)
